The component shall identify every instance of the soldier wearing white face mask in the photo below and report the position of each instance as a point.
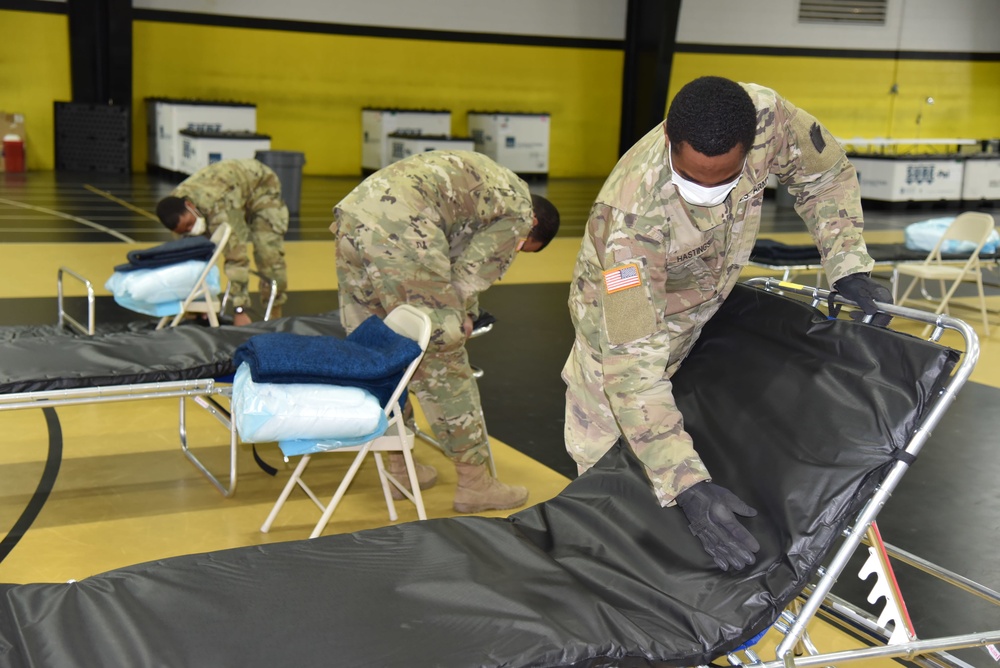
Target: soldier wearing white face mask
(666, 239)
(246, 194)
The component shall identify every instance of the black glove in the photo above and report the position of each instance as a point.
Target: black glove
(864, 291)
(709, 509)
(485, 319)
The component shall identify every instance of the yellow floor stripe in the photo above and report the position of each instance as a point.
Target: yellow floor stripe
(116, 200)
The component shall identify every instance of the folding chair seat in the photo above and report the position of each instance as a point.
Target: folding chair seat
(410, 322)
(971, 227)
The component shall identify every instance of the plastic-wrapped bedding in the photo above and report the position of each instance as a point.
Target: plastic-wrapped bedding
(799, 415)
(171, 283)
(36, 363)
(266, 412)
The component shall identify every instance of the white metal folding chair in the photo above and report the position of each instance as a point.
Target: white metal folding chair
(973, 227)
(201, 299)
(412, 323)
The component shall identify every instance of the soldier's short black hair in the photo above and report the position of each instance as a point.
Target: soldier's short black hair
(548, 220)
(712, 114)
(169, 210)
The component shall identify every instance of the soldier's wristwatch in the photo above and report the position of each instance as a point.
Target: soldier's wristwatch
(238, 310)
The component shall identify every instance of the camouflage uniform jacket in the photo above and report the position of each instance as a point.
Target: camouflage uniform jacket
(226, 191)
(630, 340)
(457, 214)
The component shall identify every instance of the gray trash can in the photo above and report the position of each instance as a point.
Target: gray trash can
(288, 166)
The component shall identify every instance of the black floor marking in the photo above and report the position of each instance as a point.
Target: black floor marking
(44, 488)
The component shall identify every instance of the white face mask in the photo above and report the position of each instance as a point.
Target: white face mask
(699, 195)
(199, 227)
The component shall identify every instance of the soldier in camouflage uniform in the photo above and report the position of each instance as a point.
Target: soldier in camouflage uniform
(246, 194)
(435, 230)
(666, 239)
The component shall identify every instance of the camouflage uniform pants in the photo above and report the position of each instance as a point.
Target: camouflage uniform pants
(266, 225)
(374, 277)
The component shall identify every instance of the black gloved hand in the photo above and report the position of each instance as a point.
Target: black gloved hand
(709, 509)
(485, 319)
(864, 291)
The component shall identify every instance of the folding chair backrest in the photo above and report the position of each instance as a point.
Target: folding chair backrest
(220, 238)
(972, 226)
(200, 299)
(412, 323)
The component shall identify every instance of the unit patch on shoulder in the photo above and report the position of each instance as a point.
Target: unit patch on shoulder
(816, 135)
(622, 278)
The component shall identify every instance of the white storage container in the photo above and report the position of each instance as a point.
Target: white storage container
(403, 146)
(165, 118)
(518, 141)
(982, 178)
(378, 124)
(910, 178)
(200, 149)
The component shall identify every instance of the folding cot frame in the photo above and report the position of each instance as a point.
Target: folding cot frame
(210, 393)
(199, 297)
(892, 627)
(204, 392)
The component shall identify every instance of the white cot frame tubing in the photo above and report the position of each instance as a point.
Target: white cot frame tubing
(201, 391)
(103, 394)
(270, 302)
(856, 534)
(65, 317)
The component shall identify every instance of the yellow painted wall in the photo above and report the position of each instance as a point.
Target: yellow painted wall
(966, 99)
(309, 88)
(851, 96)
(34, 73)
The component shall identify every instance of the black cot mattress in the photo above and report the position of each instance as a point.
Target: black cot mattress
(799, 415)
(36, 361)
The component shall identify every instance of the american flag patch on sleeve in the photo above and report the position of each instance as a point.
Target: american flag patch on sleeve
(622, 278)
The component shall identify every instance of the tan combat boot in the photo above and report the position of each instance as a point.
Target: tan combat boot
(427, 476)
(479, 491)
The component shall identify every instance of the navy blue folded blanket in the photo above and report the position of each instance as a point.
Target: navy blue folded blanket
(372, 357)
(171, 252)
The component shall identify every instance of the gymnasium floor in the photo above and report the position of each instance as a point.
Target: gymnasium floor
(124, 494)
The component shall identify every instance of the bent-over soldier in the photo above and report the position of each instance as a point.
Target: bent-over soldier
(245, 193)
(435, 230)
